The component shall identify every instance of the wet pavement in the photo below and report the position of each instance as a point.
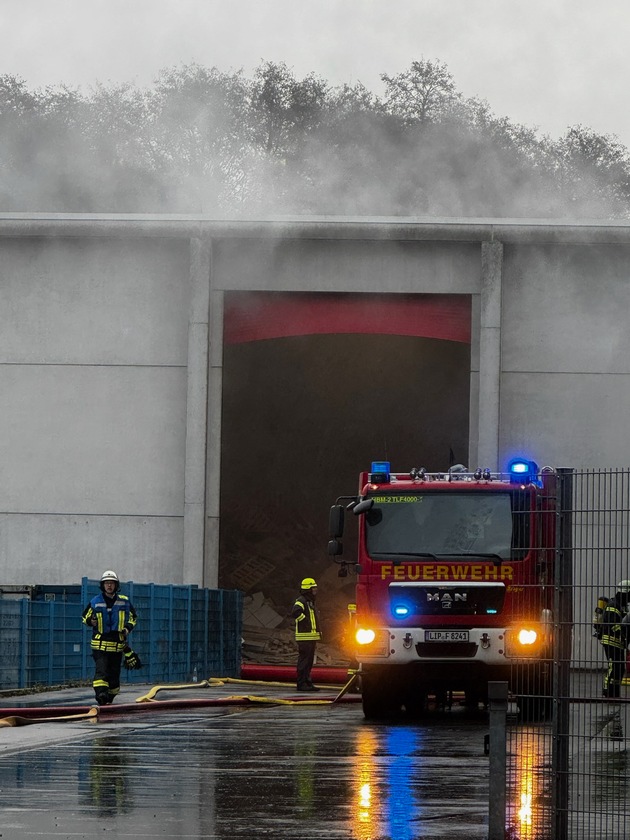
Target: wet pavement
(261, 770)
(306, 770)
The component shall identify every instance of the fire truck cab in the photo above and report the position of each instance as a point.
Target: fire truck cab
(454, 584)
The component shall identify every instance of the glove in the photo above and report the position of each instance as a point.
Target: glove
(131, 659)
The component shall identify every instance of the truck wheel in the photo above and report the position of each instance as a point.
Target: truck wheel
(379, 699)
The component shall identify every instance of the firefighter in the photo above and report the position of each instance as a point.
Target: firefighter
(112, 618)
(307, 633)
(614, 638)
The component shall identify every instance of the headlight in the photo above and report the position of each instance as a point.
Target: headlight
(527, 637)
(524, 640)
(372, 642)
(365, 637)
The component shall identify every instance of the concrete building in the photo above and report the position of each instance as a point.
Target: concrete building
(111, 363)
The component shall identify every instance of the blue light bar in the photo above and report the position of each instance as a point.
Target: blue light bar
(522, 471)
(380, 472)
(401, 611)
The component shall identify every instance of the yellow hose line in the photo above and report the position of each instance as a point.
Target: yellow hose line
(279, 701)
(18, 720)
(150, 695)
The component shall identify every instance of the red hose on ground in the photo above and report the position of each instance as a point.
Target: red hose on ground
(45, 713)
(249, 671)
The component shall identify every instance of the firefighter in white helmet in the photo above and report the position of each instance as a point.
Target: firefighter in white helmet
(112, 618)
(614, 638)
(307, 633)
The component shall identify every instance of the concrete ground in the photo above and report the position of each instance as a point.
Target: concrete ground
(238, 766)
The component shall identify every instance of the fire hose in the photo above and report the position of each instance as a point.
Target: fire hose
(23, 716)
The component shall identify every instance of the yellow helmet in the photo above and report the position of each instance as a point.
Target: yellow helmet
(308, 583)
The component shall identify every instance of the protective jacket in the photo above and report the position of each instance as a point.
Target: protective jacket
(113, 616)
(306, 620)
(614, 633)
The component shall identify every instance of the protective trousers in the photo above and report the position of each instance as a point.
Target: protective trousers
(616, 657)
(106, 675)
(306, 657)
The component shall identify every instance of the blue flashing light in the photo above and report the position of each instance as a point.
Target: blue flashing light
(491, 612)
(400, 610)
(380, 472)
(522, 471)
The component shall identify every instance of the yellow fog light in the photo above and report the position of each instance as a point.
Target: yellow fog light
(365, 637)
(527, 637)
(524, 641)
(372, 642)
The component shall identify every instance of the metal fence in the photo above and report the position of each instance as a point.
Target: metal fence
(183, 632)
(567, 768)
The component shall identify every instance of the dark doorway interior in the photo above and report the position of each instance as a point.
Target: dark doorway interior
(302, 416)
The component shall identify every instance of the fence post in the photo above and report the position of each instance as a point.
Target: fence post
(206, 632)
(222, 633)
(25, 632)
(191, 657)
(51, 642)
(497, 705)
(170, 640)
(563, 624)
(85, 639)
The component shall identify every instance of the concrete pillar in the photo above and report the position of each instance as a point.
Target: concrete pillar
(213, 466)
(196, 413)
(489, 377)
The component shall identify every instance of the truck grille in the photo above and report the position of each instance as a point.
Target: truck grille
(444, 599)
(446, 649)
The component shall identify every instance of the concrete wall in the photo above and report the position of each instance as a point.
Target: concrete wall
(111, 364)
(93, 345)
(565, 354)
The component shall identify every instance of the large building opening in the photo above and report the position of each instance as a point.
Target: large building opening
(306, 407)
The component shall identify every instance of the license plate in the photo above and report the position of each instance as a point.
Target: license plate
(446, 635)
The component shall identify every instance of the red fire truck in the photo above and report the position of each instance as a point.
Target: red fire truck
(454, 584)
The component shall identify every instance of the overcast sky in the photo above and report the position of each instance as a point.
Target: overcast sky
(546, 63)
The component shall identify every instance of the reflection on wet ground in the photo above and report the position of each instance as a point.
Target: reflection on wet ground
(282, 772)
(301, 771)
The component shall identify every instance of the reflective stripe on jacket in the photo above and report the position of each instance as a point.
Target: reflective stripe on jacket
(612, 633)
(111, 621)
(306, 625)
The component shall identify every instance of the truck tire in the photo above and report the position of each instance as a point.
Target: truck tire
(380, 698)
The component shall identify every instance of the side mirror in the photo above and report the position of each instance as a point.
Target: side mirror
(335, 548)
(336, 522)
(363, 506)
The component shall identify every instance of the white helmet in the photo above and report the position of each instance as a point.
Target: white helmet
(624, 587)
(109, 575)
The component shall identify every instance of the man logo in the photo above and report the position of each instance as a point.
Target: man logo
(446, 599)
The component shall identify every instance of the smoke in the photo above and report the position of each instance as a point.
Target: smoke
(205, 141)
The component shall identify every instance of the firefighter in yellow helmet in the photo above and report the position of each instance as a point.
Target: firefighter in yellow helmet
(307, 633)
(614, 638)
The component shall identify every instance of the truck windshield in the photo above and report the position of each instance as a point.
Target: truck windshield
(495, 525)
